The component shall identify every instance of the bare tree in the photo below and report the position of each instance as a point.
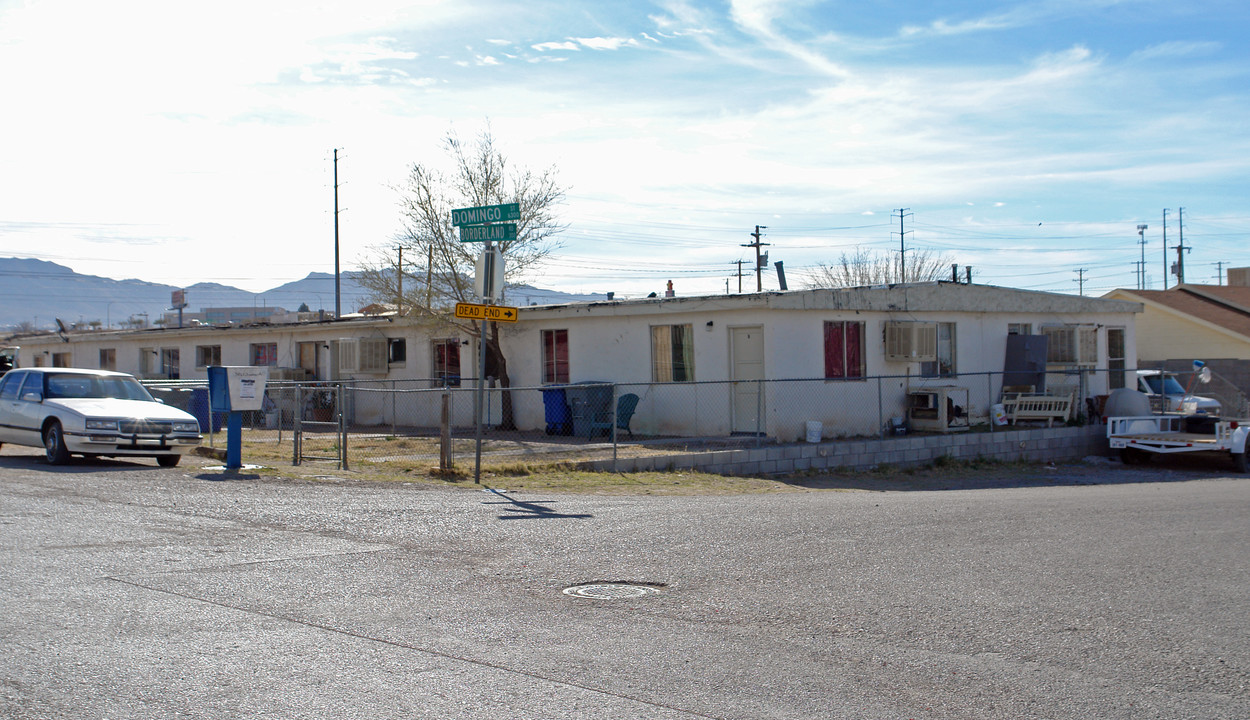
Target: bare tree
(865, 267)
(437, 269)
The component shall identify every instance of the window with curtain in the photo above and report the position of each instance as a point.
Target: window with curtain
(945, 363)
(206, 355)
(1116, 361)
(672, 353)
(1071, 344)
(264, 353)
(447, 362)
(844, 355)
(555, 356)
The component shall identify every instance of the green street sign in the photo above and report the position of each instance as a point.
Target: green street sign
(488, 233)
(486, 214)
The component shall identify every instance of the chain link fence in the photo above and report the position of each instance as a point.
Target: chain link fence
(422, 426)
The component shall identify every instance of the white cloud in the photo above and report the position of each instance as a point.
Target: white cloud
(602, 43)
(756, 17)
(1177, 49)
(942, 27)
(567, 45)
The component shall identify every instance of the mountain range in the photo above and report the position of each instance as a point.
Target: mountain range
(38, 292)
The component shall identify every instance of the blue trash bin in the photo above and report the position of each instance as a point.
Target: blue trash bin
(556, 407)
(199, 408)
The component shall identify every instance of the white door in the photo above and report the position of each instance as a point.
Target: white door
(746, 352)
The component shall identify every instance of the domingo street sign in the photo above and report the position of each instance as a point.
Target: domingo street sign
(494, 313)
(488, 233)
(486, 214)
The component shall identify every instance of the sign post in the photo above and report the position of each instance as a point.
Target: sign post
(486, 223)
(489, 280)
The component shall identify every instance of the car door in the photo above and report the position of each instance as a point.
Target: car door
(9, 386)
(27, 413)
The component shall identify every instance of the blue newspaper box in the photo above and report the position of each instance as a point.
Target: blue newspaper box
(236, 389)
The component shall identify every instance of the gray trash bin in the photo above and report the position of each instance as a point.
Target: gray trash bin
(589, 402)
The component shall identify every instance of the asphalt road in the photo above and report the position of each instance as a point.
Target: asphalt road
(131, 591)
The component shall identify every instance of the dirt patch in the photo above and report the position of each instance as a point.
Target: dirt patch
(982, 475)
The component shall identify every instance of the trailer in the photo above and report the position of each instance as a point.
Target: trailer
(1138, 437)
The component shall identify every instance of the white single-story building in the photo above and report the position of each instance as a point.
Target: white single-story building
(708, 365)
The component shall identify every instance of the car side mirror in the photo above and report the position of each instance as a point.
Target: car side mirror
(33, 397)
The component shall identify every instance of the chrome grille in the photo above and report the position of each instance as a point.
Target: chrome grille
(146, 427)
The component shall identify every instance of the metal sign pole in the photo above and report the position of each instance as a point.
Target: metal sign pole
(487, 292)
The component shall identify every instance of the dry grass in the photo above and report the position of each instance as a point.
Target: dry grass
(534, 465)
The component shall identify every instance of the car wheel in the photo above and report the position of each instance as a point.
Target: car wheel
(1239, 462)
(54, 444)
(168, 460)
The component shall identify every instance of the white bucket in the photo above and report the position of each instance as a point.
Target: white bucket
(999, 413)
(814, 429)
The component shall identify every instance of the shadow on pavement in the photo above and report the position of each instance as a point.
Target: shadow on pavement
(529, 510)
(77, 465)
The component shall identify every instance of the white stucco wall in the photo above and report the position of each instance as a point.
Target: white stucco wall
(612, 342)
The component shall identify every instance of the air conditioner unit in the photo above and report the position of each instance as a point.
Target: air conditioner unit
(348, 354)
(363, 355)
(285, 374)
(911, 341)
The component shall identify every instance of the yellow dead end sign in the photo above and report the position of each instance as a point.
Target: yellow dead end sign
(494, 313)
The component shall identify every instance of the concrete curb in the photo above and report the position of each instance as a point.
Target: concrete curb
(1032, 444)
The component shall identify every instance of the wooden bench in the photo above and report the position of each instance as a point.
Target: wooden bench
(1041, 407)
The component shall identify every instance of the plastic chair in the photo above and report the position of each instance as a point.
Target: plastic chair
(625, 407)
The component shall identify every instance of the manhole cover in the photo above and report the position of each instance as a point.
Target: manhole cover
(610, 590)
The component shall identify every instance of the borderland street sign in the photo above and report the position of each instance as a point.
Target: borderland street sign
(494, 313)
(488, 233)
(486, 214)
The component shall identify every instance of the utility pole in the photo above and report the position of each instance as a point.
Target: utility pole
(399, 272)
(1180, 249)
(1219, 271)
(759, 261)
(739, 264)
(338, 306)
(1080, 280)
(1141, 282)
(429, 277)
(1165, 248)
(902, 244)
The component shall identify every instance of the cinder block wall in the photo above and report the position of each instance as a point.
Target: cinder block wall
(1034, 444)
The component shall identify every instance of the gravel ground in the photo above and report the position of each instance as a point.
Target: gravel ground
(1080, 591)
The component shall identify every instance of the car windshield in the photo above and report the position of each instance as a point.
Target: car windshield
(1169, 384)
(73, 385)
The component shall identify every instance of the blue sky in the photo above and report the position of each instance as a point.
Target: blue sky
(179, 142)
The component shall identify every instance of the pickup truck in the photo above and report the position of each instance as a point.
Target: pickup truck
(1138, 437)
(8, 358)
(1168, 395)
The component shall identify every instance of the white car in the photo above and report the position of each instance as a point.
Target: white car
(70, 411)
(1156, 385)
